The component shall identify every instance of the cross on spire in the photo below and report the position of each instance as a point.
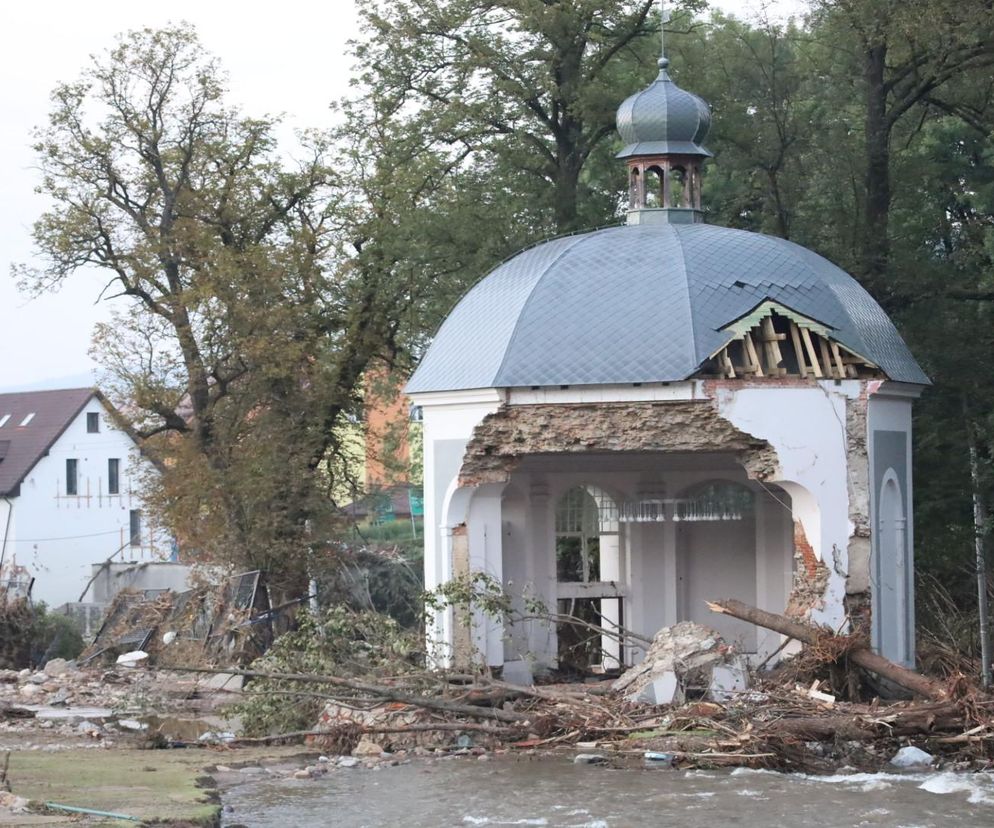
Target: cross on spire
(664, 18)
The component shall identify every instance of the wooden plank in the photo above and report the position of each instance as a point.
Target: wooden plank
(771, 339)
(752, 356)
(838, 359)
(826, 357)
(802, 366)
(726, 362)
(812, 356)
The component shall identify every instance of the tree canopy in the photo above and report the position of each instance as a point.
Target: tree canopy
(261, 291)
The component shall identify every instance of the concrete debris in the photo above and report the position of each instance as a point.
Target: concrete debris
(729, 679)
(911, 757)
(680, 658)
(132, 659)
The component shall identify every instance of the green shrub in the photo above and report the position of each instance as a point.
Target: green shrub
(340, 642)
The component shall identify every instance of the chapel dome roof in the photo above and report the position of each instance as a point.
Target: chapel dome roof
(663, 120)
(643, 303)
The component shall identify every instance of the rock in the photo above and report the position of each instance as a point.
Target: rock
(168, 637)
(87, 726)
(56, 667)
(589, 759)
(131, 724)
(301, 774)
(133, 659)
(222, 769)
(519, 673)
(323, 760)
(253, 770)
(910, 757)
(30, 691)
(38, 678)
(366, 748)
(61, 698)
(690, 651)
(347, 762)
(14, 804)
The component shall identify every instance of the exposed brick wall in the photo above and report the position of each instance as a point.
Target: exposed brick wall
(810, 577)
(510, 433)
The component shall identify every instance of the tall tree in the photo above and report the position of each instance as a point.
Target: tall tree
(529, 85)
(249, 321)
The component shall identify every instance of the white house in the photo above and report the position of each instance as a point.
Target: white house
(70, 482)
(626, 423)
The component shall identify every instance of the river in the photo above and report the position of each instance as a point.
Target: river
(555, 792)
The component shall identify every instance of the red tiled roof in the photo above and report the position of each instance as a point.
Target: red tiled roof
(26, 445)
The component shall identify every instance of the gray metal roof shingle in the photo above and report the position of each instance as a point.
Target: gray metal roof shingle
(642, 303)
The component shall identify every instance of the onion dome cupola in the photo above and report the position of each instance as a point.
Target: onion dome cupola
(663, 127)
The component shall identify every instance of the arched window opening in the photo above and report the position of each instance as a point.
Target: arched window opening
(678, 187)
(583, 515)
(634, 182)
(654, 186)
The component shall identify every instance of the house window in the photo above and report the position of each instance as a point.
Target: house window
(136, 527)
(92, 422)
(72, 476)
(113, 476)
(3, 420)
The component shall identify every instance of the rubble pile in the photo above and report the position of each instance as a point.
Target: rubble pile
(64, 705)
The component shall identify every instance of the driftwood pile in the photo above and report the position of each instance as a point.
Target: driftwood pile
(778, 723)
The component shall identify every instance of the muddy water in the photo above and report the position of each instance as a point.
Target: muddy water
(552, 792)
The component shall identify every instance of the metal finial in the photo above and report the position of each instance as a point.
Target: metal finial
(664, 18)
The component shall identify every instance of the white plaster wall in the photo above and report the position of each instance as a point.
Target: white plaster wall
(448, 420)
(807, 428)
(57, 536)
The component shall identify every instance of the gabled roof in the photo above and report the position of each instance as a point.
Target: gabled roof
(26, 444)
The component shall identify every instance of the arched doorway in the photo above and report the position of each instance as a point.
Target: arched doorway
(716, 556)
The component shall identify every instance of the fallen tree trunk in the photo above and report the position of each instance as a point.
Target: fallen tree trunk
(862, 656)
(421, 727)
(380, 691)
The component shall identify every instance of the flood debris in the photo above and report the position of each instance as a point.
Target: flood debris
(692, 703)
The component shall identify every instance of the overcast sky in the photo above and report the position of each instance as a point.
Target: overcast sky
(285, 57)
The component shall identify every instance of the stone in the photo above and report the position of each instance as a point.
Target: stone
(910, 757)
(347, 762)
(38, 678)
(56, 667)
(131, 724)
(222, 769)
(87, 726)
(519, 673)
(589, 759)
(30, 691)
(366, 748)
(301, 774)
